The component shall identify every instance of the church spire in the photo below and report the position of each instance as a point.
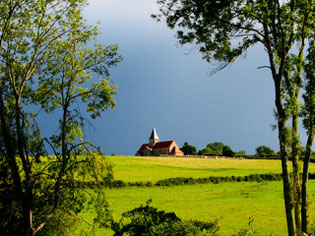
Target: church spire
(154, 134)
(154, 138)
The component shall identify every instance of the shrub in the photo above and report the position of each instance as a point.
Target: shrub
(147, 220)
(117, 184)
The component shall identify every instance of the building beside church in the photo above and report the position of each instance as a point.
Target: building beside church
(157, 148)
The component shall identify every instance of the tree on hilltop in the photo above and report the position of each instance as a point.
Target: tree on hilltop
(188, 149)
(217, 146)
(209, 152)
(227, 151)
(264, 151)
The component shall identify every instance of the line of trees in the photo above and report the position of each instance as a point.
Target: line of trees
(225, 30)
(49, 58)
(220, 149)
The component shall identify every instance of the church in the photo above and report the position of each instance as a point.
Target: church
(157, 148)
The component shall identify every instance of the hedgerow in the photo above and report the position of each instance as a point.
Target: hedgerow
(187, 181)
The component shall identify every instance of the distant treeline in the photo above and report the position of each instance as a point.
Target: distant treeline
(220, 149)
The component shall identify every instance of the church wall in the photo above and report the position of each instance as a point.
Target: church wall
(147, 152)
(157, 152)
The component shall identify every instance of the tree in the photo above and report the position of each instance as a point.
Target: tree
(217, 149)
(44, 59)
(242, 152)
(189, 149)
(227, 151)
(224, 30)
(217, 146)
(264, 151)
(209, 152)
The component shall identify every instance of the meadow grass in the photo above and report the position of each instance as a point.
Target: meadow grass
(231, 203)
(132, 169)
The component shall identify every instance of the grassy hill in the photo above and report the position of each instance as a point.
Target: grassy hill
(131, 169)
(232, 203)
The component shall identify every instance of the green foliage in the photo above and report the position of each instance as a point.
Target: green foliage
(308, 111)
(217, 149)
(183, 181)
(49, 57)
(227, 151)
(312, 229)
(243, 232)
(264, 151)
(147, 220)
(62, 224)
(241, 155)
(218, 179)
(189, 149)
(209, 152)
(216, 146)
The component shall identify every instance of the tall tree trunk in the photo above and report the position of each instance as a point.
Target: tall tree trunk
(284, 161)
(10, 156)
(296, 173)
(304, 207)
(27, 199)
(9, 147)
(286, 187)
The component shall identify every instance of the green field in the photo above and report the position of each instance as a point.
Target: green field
(231, 203)
(131, 169)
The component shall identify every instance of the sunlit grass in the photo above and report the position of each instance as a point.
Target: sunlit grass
(131, 169)
(231, 203)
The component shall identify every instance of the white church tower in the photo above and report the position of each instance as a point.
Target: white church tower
(154, 138)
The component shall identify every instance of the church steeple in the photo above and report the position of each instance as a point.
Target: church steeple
(154, 138)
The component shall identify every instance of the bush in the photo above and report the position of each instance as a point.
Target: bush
(147, 220)
(176, 228)
(227, 151)
(117, 184)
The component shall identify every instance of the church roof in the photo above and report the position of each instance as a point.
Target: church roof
(154, 135)
(164, 144)
(144, 146)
